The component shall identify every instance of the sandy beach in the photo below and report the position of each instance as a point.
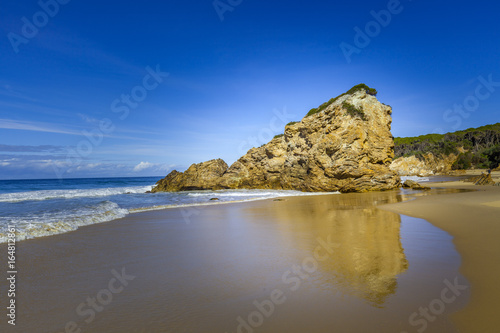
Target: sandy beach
(303, 264)
(232, 166)
(473, 219)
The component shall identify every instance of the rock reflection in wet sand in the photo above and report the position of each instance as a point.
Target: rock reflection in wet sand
(368, 256)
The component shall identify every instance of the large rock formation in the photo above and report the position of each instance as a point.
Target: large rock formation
(345, 145)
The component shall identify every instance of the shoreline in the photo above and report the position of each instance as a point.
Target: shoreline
(115, 213)
(472, 219)
(93, 250)
(217, 202)
(210, 268)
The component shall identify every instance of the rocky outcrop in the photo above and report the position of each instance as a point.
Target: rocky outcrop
(427, 166)
(346, 145)
(201, 176)
(414, 185)
(483, 179)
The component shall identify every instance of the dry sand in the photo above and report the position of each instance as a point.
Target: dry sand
(473, 219)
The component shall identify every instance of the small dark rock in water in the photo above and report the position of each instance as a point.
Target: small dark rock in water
(214, 199)
(148, 192)
(279, 200)
(128, 193)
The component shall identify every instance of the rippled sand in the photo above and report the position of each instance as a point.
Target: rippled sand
(333, 263)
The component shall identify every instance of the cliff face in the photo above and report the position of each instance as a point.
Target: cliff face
(428, 165)
(346, 147)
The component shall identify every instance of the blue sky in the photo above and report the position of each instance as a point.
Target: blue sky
(238, 71)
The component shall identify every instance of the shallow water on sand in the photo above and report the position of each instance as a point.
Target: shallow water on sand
(311, 264)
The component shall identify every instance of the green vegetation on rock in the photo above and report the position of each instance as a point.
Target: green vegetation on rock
(361, 86)
(354, 111)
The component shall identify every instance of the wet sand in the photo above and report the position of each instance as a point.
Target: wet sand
(473, 219)
(330, 263)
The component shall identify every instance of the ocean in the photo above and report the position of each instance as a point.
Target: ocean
(47, 207)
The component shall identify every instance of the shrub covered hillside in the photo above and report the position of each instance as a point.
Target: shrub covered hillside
(475, 147)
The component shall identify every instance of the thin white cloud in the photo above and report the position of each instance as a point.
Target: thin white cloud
(35, 127)
(32, 149)
(49, 128)
(7, 90)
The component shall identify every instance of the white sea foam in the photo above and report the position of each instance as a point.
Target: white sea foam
(53, 218)
(60, 222)
(414, 178)
(70, 194)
